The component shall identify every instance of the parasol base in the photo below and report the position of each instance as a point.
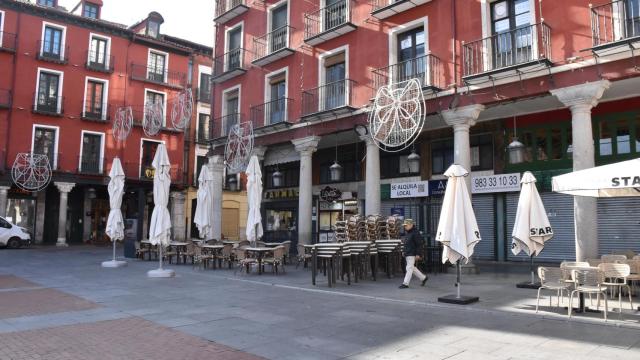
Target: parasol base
(462, 300)
(528, 285)
(161, 273)
(113, 264)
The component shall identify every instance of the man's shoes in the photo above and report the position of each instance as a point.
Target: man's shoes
(424, 281)
(403, 286)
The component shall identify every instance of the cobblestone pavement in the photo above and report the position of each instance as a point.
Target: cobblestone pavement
(284, 317)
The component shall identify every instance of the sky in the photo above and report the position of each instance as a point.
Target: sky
(188, 19)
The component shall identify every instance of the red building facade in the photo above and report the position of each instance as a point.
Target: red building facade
(65, 73)
(492, 71)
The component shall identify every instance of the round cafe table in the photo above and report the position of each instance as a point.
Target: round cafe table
(259, 252)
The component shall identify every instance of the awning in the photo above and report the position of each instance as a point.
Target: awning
(613, 180)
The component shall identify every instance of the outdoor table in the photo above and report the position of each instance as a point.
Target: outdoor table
(331, 254)
(393, 250)
(215, 250)
(582, 308)
(272, 244)
(362, 251)
(179, 246)
(147, 244)
(259, 251)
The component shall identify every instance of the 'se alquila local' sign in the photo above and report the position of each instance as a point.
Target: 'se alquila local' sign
(410, 189)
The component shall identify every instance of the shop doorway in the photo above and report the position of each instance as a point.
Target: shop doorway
(99, 216)
(22, 212)
(230, 227)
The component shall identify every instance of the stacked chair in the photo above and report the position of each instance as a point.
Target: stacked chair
(341, 231)
(356, 228)
(393, 226)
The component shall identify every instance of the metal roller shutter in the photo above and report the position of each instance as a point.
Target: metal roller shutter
(484, 208)
(559, 207)
(619, 224)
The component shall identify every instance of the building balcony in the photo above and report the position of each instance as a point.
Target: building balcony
(332, 99)
(8, 42)
(229, 9)
(173, 79)
(427, 69)
(88, 165)
(48, 105)
(513, 52)
(5, 99)
(382, 9)
(203, 95)
(328, 23)
(96, 112)
(271, 116)
(272, 46)
(223, 124)
(229, 65)
(615, 28)
(55, 53)
(99, 62)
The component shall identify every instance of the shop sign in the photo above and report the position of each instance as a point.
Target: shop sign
(437, 187)
(410, 189)
(330, 205)
(330, 194)
(281, 194)
(495, 183)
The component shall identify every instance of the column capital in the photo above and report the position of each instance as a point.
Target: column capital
(463, 117)
(583, 95)
(4, 188)
(216, 163)
(64, 187)
(259, 151)
(307, 145)
(367, 139)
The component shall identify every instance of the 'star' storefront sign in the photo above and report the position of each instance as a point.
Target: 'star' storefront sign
(410, 189)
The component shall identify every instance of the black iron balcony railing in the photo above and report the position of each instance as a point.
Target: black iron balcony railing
(615, 21)
(331, 96)
(90, 165)
(48, 104)
(427, 69)
(7, 41)
(96, 111)
(272, 42)
(272, 112)
(158, 76)
(53, 52)
(204, 95)
(228, 9)
(229, 64)
(5, 98)
(327, 19)
(382, 9)
(507, 49)
(223, 124)
(98, 61)
(202, 136)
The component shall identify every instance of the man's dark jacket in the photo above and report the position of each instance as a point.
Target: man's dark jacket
(413, 243)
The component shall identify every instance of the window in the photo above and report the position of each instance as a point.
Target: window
(52, 43)
(157, 66)
(91, 153)
(276, 109)
(234, 44)
(290, 175)
(203, 127)
(153, 97)
(148, 153)
(232, 109)
(153, 29)
(510, 25)
(544, 146)
(90, 10)
(4, 224)
(632, 17)
(46, 2)
(98, 53)
(44, 143)
(333, 93)
(481, 154)
(94, 100)
(441, 156)
(200, 162)
(617, 135)
(335, 13)
(278, 31)
(393, 165)
(205, 87)
(411, 51)
(48, 98)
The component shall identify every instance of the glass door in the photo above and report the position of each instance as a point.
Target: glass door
(277, 108)
(98, 53)
(52, 42)
(334, 90)
(44, 143)
(91, 148)
(234, 53)
(48, 92)
(93, 107)
(279, 31)
(335, 13)
(512, 33)
(411, 60)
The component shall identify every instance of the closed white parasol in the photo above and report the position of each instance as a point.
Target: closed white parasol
(160, 229)
(204, 208)
(115, 224)
(254, 196)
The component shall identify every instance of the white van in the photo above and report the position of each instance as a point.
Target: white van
(13, 236)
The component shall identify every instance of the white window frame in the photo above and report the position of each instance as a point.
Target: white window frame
(2, 16)
(107, 55)
(164, 106)
(267, 91)
(105, 95)
(63, 43)
(203, 70)
(55, 150)
(270, 9)
(166, 62)
(60, 87)
(82, 133)
(393, 42)
(322, 71)
(198, 122)
(142, 140)
(226, 41)
(225, 112)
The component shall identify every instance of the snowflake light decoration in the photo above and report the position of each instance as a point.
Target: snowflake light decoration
(182, 110)
(153, 118)
(239, 147)
(31, 172)
(122, 123)
(397, 116)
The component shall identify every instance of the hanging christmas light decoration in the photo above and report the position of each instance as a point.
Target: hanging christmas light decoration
(31, 172)
(122, 123)
(239, 147)
(182, 110)
(153, 118)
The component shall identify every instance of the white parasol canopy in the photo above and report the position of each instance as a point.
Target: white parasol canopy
(613, 180)
(160, 230)
(532, 228)
(204, 207)
(115, 224)
(254, 196)
(457, 229)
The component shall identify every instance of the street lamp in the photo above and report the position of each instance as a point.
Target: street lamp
(413, 161)
(335, 170)
(232, 182)
(277, 178)
(515, 148)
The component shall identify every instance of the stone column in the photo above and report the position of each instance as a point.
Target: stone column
(306, 147)
(216, 166)
(4, 190)
(372, 177)
(259, 151)
(462, 119)
(580, 99)
(64, 189)
(177, 215)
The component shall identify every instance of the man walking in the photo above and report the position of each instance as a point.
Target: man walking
(412, 249)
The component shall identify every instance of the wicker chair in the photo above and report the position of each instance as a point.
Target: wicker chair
(634, 276)
(276, 260)
(189, 252)
(243, 261)
(553, 279)
(243, 244)
(594, 262)
(303, 256)
(201, 259)
(628, 253)
(169, 252)
(287, 250)
(616, 276)
(140, 251)
(612, 259)
(590, 281)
